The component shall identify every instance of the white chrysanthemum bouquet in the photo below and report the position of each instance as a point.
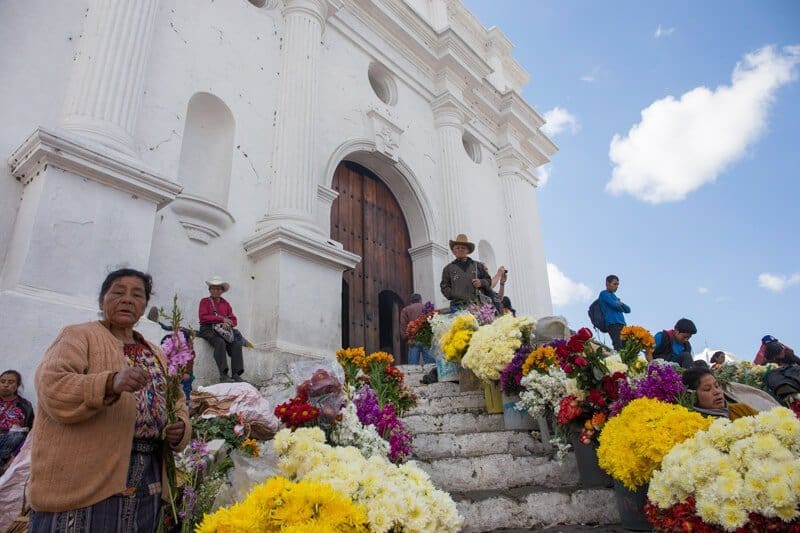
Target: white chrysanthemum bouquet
(492, 346)
(735, 474)
(396, 497)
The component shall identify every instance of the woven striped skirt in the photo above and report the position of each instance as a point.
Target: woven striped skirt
(137, 510)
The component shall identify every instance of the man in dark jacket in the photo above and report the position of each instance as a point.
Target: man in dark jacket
(673, 345)
(464, 279)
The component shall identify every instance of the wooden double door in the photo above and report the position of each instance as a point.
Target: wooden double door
(367, 220)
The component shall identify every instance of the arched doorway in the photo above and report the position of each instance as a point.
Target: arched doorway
(368, 221)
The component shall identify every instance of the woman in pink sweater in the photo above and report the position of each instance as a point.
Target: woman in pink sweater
(101, 421)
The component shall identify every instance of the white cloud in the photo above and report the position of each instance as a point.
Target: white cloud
(777, 282)
(680, 145)
(543, 173)
(702, 290)
(563, 290)
(590, 77)
(558, 120)
(663, 32)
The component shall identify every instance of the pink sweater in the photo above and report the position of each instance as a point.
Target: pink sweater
(81, 444)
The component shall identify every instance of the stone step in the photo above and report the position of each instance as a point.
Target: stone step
(535, 508)
(501, 471)
(469, 402)
(414, 373)
(457, 423)
(439, 390)
(428, 446)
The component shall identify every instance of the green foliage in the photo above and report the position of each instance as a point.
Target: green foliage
(221, 427)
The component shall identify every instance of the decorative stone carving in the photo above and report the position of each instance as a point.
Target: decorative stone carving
(386, 133)
(202, 219)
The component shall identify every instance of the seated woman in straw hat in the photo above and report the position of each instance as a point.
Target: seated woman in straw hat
(464, 280)
(216, 316)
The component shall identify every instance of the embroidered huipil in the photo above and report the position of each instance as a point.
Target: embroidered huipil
(151, 402)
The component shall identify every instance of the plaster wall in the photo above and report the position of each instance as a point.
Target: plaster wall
(231, 50)
(37, 43)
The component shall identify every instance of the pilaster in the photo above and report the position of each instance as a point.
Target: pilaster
(449, 115)
(104, 93)
(529, 289)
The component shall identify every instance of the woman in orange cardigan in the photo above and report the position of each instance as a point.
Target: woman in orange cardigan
(101, 421)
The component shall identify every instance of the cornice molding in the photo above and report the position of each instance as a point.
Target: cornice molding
(285, 239)
(429, 249)
(73, 154)
(454, 60)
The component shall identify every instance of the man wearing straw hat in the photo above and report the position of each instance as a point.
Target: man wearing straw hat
(217, 326)
(464, 280)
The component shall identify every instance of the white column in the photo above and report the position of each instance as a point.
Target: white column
(105, 89)
(294, 185)
(528, 285)
(449, 126)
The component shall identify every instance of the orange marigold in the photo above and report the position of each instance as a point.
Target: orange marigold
(352, 355)
(377, 357)
(640, 334)
(540, 359)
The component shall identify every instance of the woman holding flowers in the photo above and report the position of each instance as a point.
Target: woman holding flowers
(710, 397)
(101, 420)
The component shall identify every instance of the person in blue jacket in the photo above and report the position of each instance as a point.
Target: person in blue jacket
(613, 310)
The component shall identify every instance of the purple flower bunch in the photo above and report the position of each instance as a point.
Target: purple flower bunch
(662, 383)
(386, 423)
(428, 308)
(485, 313)
(511, 375)
(197, 455)
(178, 353)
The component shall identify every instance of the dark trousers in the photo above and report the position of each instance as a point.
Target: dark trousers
(233, 349)
(613, 332)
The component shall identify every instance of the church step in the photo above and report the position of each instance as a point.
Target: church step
(414, 373)
(526, 508)
(463, 403)
(457, 423)
(439, 390)
(428, 446)
(500, 471)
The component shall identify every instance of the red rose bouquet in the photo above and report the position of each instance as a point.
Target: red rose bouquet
(591, 387)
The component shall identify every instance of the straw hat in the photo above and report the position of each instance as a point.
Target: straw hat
(217, 281)
(462, 239)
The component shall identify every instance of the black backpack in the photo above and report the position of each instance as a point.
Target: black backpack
(597, 317)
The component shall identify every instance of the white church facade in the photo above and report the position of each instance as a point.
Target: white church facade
(316, 154)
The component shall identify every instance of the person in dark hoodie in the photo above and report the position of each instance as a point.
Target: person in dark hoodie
(673, 345)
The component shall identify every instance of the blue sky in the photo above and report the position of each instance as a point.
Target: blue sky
(678, 129)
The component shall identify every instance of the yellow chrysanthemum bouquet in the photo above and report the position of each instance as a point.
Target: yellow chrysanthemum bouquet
(455, 340)
(492, 346)
(740, 474)
(285, 506)
(633, 443)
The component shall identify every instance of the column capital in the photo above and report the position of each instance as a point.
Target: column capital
(513, 163)
(448, 111)
(317, 9)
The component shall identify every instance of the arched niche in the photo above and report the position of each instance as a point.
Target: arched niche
(205, 168)
(486, 255)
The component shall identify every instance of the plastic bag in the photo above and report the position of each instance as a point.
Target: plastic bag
(247, 472)
(238, 398)
(320, 384)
